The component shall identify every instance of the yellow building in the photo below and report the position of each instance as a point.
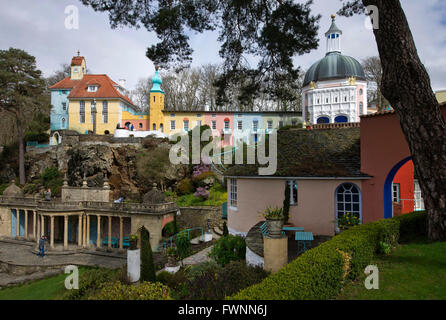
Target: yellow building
(157, 104)
(95, 102)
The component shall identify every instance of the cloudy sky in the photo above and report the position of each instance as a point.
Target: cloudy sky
(38, 27)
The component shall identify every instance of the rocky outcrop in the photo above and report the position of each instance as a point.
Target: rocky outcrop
(117, 161)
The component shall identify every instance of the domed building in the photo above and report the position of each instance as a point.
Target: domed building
(335, 88)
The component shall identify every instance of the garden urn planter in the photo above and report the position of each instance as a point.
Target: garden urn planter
(274, 227)
(134, 264)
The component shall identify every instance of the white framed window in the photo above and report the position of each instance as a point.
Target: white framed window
(186, 125)
(361, 92)
(172, 115)
(172, 124)
(214, 124)
(104, 112)
(292, 184)
(419, 202)
(348, 199)
(270, 124)
(255, 125)
(233, 193)
(199, 123)
(64, 106)
(226, 124)
(240, 125)
(198, 115)
(280, 124)
(82, 112)
(92, 88)
(396, 193)
(214, 115)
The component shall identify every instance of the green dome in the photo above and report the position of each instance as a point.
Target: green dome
(334, 66)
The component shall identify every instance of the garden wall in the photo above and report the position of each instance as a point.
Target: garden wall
(193, 217)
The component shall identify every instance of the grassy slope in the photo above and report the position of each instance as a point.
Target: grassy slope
(412, 271)
(51, 288)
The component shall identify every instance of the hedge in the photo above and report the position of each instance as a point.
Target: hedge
(320, 272)
(143, 291)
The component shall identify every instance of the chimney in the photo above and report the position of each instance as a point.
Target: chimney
(122, 83)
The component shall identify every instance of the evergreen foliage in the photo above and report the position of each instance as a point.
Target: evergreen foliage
(147, 265)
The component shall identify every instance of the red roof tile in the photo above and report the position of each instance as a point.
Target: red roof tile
(107, 88)
(77, 61)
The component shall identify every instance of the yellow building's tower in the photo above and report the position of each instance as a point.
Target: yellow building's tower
(157, 103)
(78, 67)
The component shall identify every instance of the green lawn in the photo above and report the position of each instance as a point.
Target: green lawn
(51, 288)
(412, 271)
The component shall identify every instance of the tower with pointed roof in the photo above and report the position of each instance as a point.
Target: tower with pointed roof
(335, 88)
(156, 103)
(78, 67)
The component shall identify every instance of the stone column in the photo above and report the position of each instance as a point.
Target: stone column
(79, 232)
(98, 240)
(84, 233)
(26, 224)
(42, 225)
(52, 232)
(275, 253)
(88, 231)
(121, 233)
(65, 233)
(17, 229)
(109, 231)
(35, 224)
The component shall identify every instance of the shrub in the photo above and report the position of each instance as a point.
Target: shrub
(182, 245)
(201, 193)
(170, 228)
(229, 248)
(319, 273)
(175, 281)
(144, 291)
(35, 136)
(212, 282)
(147, 265)
(185, 186)
(52, 178)
(412, 225)
(90, 282)
(225, 229)
(202, 268)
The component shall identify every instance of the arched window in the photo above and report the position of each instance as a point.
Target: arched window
(360, 92)
(63, 123)
(323, 120)
(348, 199)
(341, 119)
(106, 132)
(154, 126)
(140, 125)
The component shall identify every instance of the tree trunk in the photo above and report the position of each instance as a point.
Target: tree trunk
(21, 152)
(406, 85)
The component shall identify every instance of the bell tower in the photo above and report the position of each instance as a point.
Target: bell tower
(156, 103)
(78, 67)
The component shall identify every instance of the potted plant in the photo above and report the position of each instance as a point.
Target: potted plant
(274, 221)
(133, 259)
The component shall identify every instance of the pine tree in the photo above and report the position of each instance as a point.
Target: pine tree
(147, 265)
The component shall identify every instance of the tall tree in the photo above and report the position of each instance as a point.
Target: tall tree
(21, 94)
(374, 73)
(406, 84)
(58, 75)
(270, 32)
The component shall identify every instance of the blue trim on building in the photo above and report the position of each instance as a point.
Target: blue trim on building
(388, 206)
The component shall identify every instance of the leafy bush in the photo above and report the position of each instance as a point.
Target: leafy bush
(41, 137)
(229, 248)
(175, 281)
(185, 186)
(412, 225)
(144, 291)
(384, 247)
(212, 282)
(201, 193)
(90, 282)
(30, 188)
(202, 268)
(319, 273)
(205, 179)
(182, 245)
(52, 178)
(170, 229)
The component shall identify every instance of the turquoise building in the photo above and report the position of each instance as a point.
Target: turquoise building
(59, 109)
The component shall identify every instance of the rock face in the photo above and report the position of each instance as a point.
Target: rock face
(117, 161)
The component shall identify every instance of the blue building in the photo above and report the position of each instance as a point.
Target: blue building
(59, 109)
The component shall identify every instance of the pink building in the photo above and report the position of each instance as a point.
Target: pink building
(222, 125)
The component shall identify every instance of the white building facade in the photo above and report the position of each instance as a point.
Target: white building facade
(335, 88)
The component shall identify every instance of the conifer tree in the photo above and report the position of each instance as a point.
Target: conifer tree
(147, 265)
